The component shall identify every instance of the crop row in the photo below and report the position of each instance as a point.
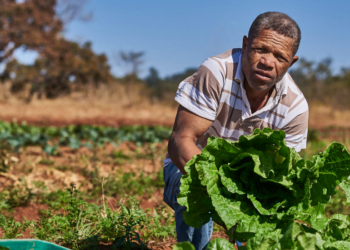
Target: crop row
(17, 136)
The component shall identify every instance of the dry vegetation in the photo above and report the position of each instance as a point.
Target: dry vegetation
(112, 105)
(117, 105)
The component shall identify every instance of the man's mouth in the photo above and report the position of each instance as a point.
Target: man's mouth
(263, 75)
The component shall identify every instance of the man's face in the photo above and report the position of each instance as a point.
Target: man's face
(266, 59)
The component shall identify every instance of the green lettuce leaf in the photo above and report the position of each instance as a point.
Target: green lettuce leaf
(257, 185)
(216, 244)
(195, 197)
(294, 238)
(220, 244)
(183, 246)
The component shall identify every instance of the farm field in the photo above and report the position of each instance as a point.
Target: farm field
(33, 182)
(37, 184)
(105, 175)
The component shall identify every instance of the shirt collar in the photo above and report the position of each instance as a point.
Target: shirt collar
(239, 77)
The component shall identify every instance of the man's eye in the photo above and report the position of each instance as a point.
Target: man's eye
(281, 58)
(259, 50)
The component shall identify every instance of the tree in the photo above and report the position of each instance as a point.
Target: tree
(177, 78)
(68, 10)
(58, 66)
(153, 80)
(132, 61)
(164, 89)
(31, 23)
(37, 25)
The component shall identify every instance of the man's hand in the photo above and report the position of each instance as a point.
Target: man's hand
(187, 129)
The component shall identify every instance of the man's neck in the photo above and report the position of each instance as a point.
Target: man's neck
(257, 99)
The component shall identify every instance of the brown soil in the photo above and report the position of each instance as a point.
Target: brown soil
(30, 212)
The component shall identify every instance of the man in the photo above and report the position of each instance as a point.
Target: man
(232, 94)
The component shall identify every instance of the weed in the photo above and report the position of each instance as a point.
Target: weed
(62, 168)
(12, 229)
(3, 204)
(130, 221)
(118, 154)
(74, 223)
(47, 161)
(118, 158)
(15, 196)
(70, 228)
(39, 185)
(161, 225)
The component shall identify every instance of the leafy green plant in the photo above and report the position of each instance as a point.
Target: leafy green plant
(62, 168)
(129, 183)
(258, 185)
(159, 225)
(12, 229)
(216, 244)
(183, 246)
(119, 157)
(75, 223)
(131, 220)
(119, 154)
(295, 237)
(47, 161)
(15, 196)
(18, 136)
(335, 236)
(73, 226)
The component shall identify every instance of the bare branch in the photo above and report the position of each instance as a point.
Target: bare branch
(132, 61)
(68, 10)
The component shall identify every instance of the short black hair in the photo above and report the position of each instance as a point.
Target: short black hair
(279, 22)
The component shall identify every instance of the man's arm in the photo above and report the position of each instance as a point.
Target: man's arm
(187, 129)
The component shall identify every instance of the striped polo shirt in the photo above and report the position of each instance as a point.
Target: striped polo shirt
(215, 92)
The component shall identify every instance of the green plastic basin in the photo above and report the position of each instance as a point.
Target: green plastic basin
(30, 244)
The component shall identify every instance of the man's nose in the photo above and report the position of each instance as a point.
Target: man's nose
(267, 60)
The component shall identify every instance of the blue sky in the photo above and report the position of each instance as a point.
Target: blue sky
(176, 35)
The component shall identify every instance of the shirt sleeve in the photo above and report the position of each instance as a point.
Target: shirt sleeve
(297, 127)
(200, 93)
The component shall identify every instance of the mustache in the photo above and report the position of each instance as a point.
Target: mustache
(263, 73)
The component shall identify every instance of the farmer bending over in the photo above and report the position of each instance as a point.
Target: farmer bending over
(230, 95)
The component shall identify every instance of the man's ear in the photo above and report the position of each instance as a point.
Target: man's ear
(245, 43)
(295, 59)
